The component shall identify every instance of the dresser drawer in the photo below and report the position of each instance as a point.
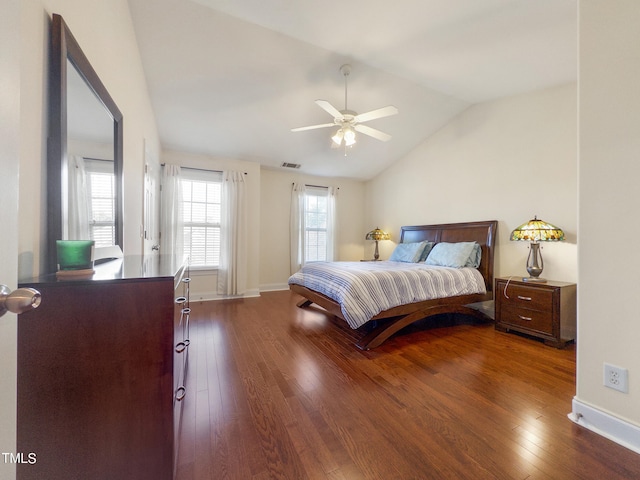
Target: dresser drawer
(530, 319)
(525, 297)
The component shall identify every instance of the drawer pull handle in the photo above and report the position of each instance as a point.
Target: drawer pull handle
(528, 319)
(527, 299)
(186, 280)
(180, 393)
(181, 300)
(180, 347)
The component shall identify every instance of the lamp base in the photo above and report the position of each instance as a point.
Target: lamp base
(534, 279)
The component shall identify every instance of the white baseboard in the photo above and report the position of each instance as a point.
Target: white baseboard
(210, 296)
(274, 287)
(605, 424)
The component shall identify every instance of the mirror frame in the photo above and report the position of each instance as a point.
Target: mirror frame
(65, 47)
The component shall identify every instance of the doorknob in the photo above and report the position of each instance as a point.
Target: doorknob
(18, 301)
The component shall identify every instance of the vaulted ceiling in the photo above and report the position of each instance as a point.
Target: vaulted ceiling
(231, 78)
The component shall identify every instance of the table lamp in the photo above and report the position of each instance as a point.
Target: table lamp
(536, 231)
(377, 234)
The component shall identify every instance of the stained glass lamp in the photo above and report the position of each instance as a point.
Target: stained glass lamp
(536, 231)
(377, 234)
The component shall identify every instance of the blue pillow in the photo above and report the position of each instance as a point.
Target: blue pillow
(411, 252)
(456, 255)
(427, 249)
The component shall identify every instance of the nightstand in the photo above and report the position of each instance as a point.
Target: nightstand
(543, 310)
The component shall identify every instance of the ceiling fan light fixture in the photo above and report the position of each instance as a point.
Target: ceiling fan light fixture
(337, 138)
(349, 136)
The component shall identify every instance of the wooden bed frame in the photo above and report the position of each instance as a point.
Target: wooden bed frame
(391, 321)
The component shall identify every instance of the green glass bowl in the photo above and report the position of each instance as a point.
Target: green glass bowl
(75, 254)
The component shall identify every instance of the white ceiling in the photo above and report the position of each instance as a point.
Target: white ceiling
(231, 78)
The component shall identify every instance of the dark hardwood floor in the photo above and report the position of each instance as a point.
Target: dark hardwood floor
(277, 392)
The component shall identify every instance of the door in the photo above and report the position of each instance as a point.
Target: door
(151, 218)
(9, 165)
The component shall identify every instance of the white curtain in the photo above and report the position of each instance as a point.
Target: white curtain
(232, 277)
(78, 208)
(296, 227)
(171, 219)
(331, 223)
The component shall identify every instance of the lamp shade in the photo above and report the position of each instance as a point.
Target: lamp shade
(349, 136)
(337, 138)
(377, 234)
(537, 231)
(346, 134)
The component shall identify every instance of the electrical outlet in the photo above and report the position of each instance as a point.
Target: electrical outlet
(616, 378)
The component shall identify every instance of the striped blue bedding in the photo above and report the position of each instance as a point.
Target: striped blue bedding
(364, 289)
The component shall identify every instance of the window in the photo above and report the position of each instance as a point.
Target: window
(312, 225)
(101, 196)
(201, 197)
(316, 215)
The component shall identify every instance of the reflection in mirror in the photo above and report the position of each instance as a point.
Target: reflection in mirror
(84, 161)
(91, 180)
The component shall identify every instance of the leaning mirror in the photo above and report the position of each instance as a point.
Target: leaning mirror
(84, 160)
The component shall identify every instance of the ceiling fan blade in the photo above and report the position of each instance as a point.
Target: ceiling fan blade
(312, 127)
(379, 113)
(330, 109)
(372, 132)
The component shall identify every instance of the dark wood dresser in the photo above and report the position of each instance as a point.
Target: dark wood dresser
(96, 393)
(543, 310)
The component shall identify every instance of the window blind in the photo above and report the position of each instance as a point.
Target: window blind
(201, 195)
(315, 223)
(101, 192)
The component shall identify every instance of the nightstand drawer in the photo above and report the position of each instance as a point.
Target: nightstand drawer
(526, 297)
(530, 319)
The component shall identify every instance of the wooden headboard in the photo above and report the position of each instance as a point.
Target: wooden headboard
(482, 232)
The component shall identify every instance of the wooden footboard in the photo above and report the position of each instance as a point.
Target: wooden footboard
(386, 328)
(393, 320)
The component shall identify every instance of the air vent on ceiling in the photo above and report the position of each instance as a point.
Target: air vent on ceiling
(290, 165)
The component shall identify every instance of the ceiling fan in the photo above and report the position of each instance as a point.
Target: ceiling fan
(350, 122)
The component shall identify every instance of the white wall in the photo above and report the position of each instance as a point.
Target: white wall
(105, 33)
(609, 324)
(504, 160)
(275, 204)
